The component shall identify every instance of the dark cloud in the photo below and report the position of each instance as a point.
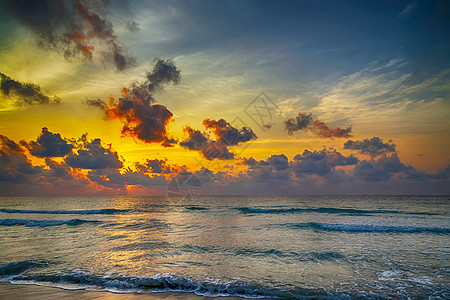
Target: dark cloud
(158, 166)
(278, 162)
(268, 125)
(385, 168)
(316, 172)
(225, 136)
(93, 155)
(251, 162)
(25, 93)
(14, 165)
(71, 28)
(196, 139)
(373, 147)
(323, 131)
(301, 122)
(132, 26)
(96, 103)
(320, 162)
(48, 144)
(112, 178)
(19, 177)
(164, 72)
(306, 122)
(142, 119)
(228, 135)
(149, 174)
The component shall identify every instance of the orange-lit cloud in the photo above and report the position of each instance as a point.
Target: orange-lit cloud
(142, 119)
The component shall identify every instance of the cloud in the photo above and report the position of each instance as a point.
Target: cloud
(196, 139)
(25, 93)
(278, 162)
(93, 155)
(306, 122)
(141, 118)
(301, 122)
(132, 26)
(385, 168)
(19, 177)
(320, 162)
(373, 147)
(323, 131)
(149, 174)
(312, 172)
(48, 144)
(72, 28)
(14, 165)
(408, 10)
(157, 166)
(225, 135)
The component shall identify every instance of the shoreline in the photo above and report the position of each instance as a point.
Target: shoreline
(10, 291)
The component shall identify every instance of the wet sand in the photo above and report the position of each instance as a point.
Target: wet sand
(20, 291)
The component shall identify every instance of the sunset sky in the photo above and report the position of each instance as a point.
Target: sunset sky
(282, 97)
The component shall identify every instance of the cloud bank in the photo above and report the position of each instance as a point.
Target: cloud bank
(89, 168)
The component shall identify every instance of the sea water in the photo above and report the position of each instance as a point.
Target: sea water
(294, 247)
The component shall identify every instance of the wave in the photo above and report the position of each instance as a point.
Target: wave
(106, 211)
(252, 252)
(165, 283)
(368, 228)
(325, 210)
(44, 223)
(196, 208)
(17, 267)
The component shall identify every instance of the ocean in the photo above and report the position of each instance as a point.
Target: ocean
(288, 247)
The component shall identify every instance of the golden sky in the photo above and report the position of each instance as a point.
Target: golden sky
(269, 101)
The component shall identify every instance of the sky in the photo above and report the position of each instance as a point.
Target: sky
(247, 97)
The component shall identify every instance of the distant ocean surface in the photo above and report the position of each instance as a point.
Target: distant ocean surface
(293, 247)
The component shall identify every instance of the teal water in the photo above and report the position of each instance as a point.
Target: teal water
(328, 247)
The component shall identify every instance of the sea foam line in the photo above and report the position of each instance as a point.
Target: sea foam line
(168, 282)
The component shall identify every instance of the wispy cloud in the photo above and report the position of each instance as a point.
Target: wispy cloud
(408, 10)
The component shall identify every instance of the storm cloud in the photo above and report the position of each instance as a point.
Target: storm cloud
(25, 93)
(306, 122)
(375, 146)
(72, 28)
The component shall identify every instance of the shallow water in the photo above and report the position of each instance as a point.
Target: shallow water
(249, 246)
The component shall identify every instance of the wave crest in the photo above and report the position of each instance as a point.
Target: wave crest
(44, 223)
(106, 211)
(368, 228)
